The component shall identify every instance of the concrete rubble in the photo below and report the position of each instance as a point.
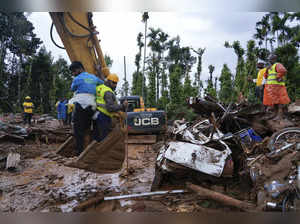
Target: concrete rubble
(231, 158)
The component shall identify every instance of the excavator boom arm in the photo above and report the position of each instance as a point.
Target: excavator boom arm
(79, 37)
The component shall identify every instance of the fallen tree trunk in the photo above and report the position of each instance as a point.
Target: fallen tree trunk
(88, 204)
(224, 199)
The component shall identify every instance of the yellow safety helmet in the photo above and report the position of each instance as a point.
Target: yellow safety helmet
(27, 97)
(113, 77)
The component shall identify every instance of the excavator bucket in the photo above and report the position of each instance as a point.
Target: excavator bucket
(102, 157)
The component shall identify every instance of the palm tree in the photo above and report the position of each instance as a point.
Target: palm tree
(275, 22)
(263, 28)
(137, 79)
(145, 17)
(198, 82)
(158, 45)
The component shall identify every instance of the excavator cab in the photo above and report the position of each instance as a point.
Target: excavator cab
(134, 102)
(79, 38)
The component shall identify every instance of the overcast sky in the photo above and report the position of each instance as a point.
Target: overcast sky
(118, 33)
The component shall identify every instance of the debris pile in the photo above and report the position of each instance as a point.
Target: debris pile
(16, 138)
(231, 158)
(238, 145)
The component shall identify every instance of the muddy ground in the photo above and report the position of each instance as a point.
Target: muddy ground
(42, 182)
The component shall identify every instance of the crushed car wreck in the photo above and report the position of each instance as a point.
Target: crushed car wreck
(213, 148)
(198, 149)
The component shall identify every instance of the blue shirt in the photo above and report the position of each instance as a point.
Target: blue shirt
(85, 83)
(61, 108)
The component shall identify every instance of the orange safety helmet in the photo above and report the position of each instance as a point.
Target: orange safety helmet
(113, 77)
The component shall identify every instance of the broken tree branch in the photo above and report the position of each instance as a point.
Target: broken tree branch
(88, 204)
(224, 199)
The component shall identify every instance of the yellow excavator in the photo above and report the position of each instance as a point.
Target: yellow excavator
(79, 37)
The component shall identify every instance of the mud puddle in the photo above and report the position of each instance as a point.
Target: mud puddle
(41, 184)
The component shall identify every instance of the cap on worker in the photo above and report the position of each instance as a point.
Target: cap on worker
(27, 97)
(113, 77)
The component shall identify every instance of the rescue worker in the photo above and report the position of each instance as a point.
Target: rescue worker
(107, 104)
(60, 112)
(28, 110)
(259, 89)
(275, 93)
(84, 86)
(70, 109)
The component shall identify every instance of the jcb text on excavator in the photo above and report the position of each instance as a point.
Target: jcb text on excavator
(141, 120)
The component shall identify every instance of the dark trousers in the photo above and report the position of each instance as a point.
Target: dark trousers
(69, 118)
(259, 92)
(103, 126)
(82, 119)
(27, 118)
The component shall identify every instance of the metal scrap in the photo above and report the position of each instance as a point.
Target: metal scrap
(6, 128)
(197, 157)
(145, 194)
(237, 133)
(12, 160)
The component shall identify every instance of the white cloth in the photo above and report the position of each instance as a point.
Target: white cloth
(85, 100)
(95, 116)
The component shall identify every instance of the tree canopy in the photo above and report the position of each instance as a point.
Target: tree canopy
(172, 71)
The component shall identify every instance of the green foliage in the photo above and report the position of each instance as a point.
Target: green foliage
(188, 89)
(210, 88)
(17, 33)
(168, 66)
(17, 44)
(108, 60)
(198, 83)
(177, 111)
(151, 93)
(251, 73)
(288, 56)
(239, 78)
(286, 35)
(226, 93)
(176, 90)
(136, 88)
(125, 89)
(42, 80)
(62, 81)
(137, 79)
